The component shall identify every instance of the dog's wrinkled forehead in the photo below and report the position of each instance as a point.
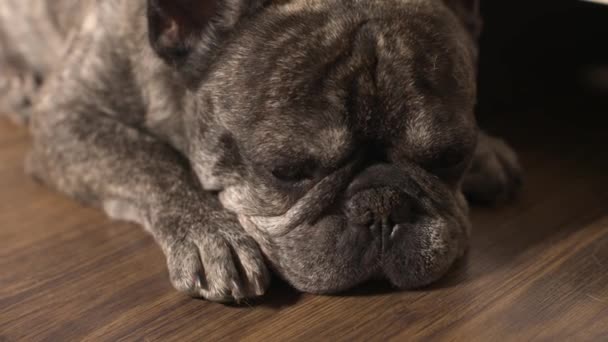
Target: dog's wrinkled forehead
(313, 80)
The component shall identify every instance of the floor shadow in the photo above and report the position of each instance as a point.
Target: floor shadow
(375, 287)
(279, 295)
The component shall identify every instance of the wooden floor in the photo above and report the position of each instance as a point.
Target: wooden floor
(538, 268)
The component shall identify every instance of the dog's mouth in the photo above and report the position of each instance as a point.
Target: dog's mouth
(405, 227)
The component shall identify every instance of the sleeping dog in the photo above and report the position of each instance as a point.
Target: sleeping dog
(332, 141)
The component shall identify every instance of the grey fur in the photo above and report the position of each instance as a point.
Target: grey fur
(330, 137)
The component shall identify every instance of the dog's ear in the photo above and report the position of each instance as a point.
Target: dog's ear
(177, 28)
(468, 11)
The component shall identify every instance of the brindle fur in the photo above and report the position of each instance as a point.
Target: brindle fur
(332, 140)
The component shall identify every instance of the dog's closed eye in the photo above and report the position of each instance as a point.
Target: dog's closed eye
(447, 164)
(295, 172)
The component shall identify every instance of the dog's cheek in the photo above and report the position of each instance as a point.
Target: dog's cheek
(215, 158)
(254, 231)
(425, 254)
(328, 257)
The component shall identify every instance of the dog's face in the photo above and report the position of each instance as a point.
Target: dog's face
(339, 133)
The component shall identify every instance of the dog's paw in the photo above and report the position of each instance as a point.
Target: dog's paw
(495, 174)
(221, 266)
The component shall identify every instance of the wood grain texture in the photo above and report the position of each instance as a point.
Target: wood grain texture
(538, 268)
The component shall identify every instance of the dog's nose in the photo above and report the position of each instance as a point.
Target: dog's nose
(378, 208)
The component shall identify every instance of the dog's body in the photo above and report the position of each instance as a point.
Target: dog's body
(333, 138)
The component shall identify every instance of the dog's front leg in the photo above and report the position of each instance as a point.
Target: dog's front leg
(133, 176)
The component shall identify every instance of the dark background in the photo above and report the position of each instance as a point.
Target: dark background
(543, 53)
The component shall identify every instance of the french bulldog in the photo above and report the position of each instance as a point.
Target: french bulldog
(331, 141)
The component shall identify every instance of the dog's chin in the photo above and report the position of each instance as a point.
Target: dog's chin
(420, 255)
(331, 256)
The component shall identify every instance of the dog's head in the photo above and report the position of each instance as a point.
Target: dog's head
(338, 131)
